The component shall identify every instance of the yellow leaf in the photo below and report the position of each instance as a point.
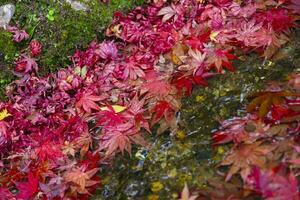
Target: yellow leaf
(3, 114)
(175, 59)
(153, 197)
(116, 108)
(200, 98)
(213, 35)
(156, 186)
(181, 135)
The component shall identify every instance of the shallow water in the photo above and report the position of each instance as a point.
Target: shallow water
(160, 172)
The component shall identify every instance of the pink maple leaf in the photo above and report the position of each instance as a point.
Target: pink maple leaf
(28, 190)
(133, 70)
(107, 50)
(295, 6)
(117, 138)
(35, 48)
(167, 13)
(136, 109)
(274, 186)
(18, 35)
(5, 194)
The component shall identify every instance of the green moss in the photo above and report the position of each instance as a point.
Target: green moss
(59, 28)
(7, 47)
(7, 54)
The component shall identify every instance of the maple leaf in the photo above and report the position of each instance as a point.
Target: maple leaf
(198, 59)
(55, 188)
(115, 108)
(83, 142)
(18, 35)
(200, 76)
(280, 112)
(273, 186)
(136, 109)
(157, 88)
(277, 41)
(28, 190)
(91, 160)
(117, 138)
(107, 50)
(218, 189)
(68, 149)
(219, 59)
(242, 158)
(184, 85)
(132, 69)
(295, 6)
(3, 132)
(3, 114)
(247, 129)
(253, 34)
(25, 65)
(279, 19)
(5, 194)
(185, 194)
(109, 117)
(264, 101)
(167, 12)
(87, 102)
(35, 48)
(178, 53)
(48, 151)
(81, 179)
(197, 42)
(294, 80)
(163, 109)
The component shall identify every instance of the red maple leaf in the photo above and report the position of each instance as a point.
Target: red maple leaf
(48, 151)
(156, 87)
(87, 102)
(219, 59)
(163, 109)
(200, 76)
(197, 42)
(26, 65)
(28, 190)
(183, 84)
(110, 117)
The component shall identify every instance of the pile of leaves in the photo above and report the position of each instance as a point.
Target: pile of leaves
(57, 130)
